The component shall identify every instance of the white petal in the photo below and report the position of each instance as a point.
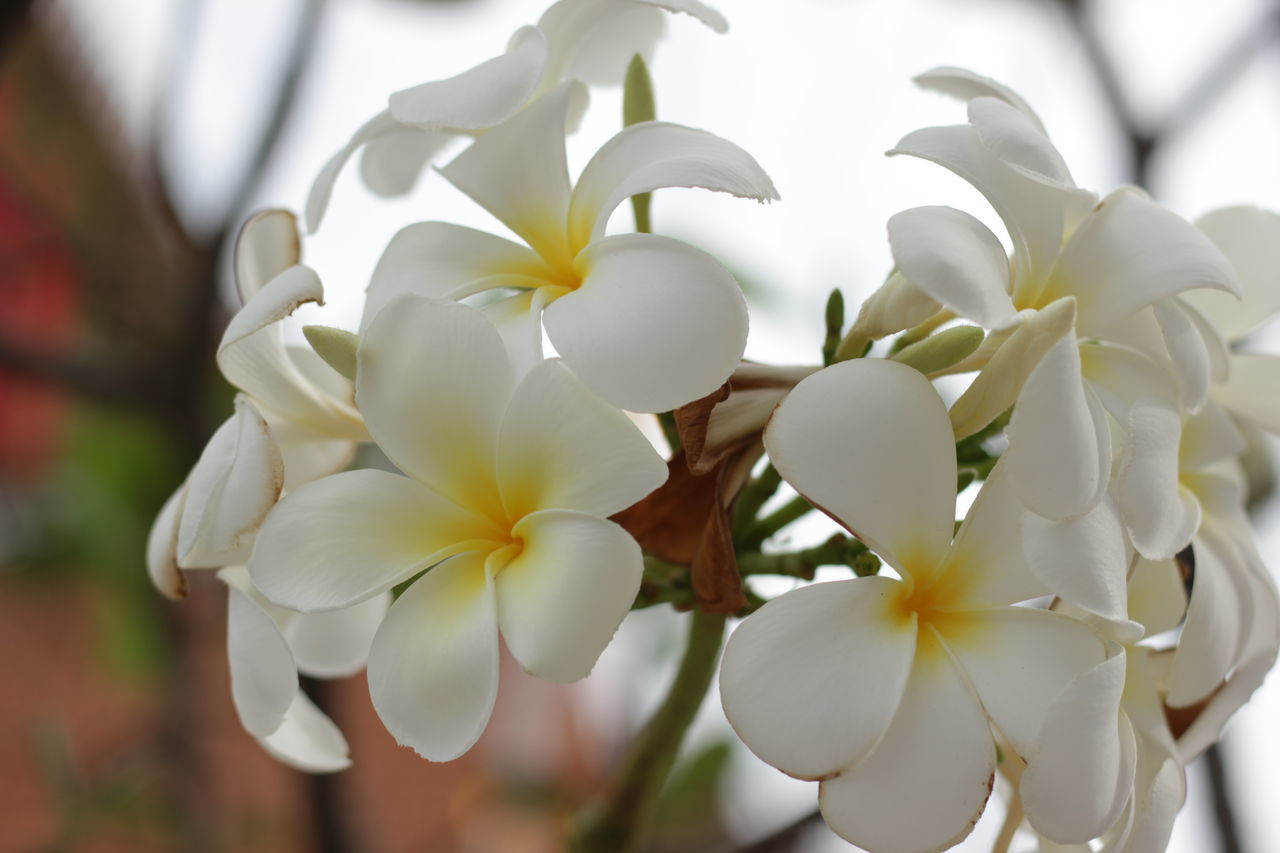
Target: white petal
(445, 261)
(391, 163)
(1084, 561)
(340, 540)
(964, 84)
(868, 441)
(987, 554)
(653, 155)
(927, 782)
(1131, 252)
(518, 172)
(1157, 596)
(996, 388)
(898, 304)
(561, 447)
(1018, 140)
(955, 259)
(701, 11)
(593, 40)
(1250, 239)
(233, 485)
(1253, 390)
(335, 644)
(1160, 517)
(308, 740)
(481, 97)
(306, 459)
(266, 246)
(433, 380)
(811, 680)
(433, 669)
(563, 597)
(1211, 637)
(1078, 778)
(321, 190)
(518, 319)
(655, 324)
(1059, 440)
(264, 679)
(1188, 351)
(162, 548)
(1208, 438)
(1019, 659)
(1120, 375)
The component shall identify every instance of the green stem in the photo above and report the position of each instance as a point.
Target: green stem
(753, 497)
(618, 824)
(839, 550)
(793, 510)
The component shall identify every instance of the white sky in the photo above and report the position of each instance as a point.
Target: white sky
(816, 90)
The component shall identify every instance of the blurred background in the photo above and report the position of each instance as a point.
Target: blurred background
(134, 137)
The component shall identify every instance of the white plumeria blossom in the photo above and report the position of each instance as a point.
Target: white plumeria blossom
(646, 322)
(268, 646)
(587, 40)
(886, 690)
(1111, 260)
(294, 418)
(507, 488)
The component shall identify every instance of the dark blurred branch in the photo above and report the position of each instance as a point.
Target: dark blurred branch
(1224, 817)
(784, 839)
(14, 15)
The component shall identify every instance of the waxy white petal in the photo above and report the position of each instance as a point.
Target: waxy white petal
(1132, 252)
(695, 9)
(518, 172)
(321, 190)
(965, 85)
(956, 260)
(1081, 772)
(162, 548)
(1157, 596)
(233, 485)
(266, 246)
(335, 643)
(518, 319)
(811, 681)
(1120, 375)
(896, 305)
(1188, 352)
(433, 380)
(1253, 390)
(264, 679)
(1018, 659)
(346, 538)
(1208, 438)
(593, 40)
(653, 155)
(1160, 516)
(1250, 239)
(925, 785)
(480, 97)
(433, 668)
(563, 597)
(308, 740)
(1019, 140)
(1084, 561)
(445, 261)
(655, 324)
(1059, 439)
(392, 162)
(1217, 617)
(562, 447)
(871, 421)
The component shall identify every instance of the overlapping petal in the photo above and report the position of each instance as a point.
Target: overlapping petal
(335, 643)
(927, 782)
(264, 679)
(1253, 390)
(861, 422)
(655, 324)
(162, 548)
(1250, 239)
(815, 719)
(1084, 561)
(307, 739)
(433, 668)
(1160, 516)
(561, 599)
(561, 446)
(266, 246)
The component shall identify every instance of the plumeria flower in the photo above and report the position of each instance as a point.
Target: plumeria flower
(294, 418)
(503, 501)
(1112, 261)
(587, 40)
(268, 646)
(646, 322)
(887, 690)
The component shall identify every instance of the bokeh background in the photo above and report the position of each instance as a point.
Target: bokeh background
(134, 137)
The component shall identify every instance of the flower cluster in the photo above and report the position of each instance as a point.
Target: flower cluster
(1088, 628)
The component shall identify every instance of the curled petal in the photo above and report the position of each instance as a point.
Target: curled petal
(1253, 390)
(653, 155)
(693, 8)
(233, 485)
(871, 421)
(655, 324)
(964, 84)
(162, 548)
(954, 258)
(1121, 375)
(481, 97)
(346, 538)
(264, 679)
(562, 447)
(307, 739)
(1018, 140)
(266, 246)
(391, 164)
(1157, 596)
(321, 191)
(1159, 514)
(1188, 352)
(433, 668)
(896, 305)
(1084, 561)
(1217, 618)
(1250, 239)
(926, 783)
(811, 681)
(561, 600)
